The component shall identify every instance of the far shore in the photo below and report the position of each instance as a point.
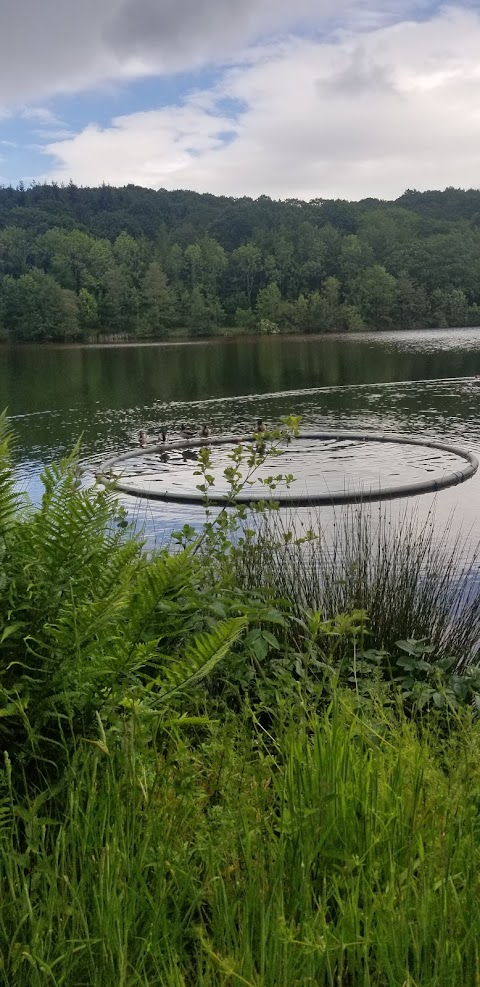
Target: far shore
(228, 337)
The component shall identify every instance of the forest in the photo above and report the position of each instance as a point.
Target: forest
(104, 263)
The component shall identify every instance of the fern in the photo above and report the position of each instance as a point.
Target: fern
(199, 659)
(88, 623)
(9, 499)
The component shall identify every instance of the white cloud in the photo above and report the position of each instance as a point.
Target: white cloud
(372, 114)
(40, 114)
(64, 46)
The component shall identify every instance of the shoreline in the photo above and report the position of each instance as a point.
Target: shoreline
(225, 339)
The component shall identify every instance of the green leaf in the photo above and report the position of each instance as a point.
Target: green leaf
(271, 640)
(200, 657)
(11, 629)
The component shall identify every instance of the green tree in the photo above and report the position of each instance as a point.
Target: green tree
(351, 319)
(324, 312)
(157, 301)
(119, 302)
(270, 305)
(448, 308)
(473, 315)
(213, 263)
(410, 263)
(297, 314)
(355, 256)
(15, 246)
(87, 311)
(245, 319)
(385, 231)
(126, 251)
(193, 262)
(411, 309)
(202, 313)
(375, 293)
(246, 263)
(451, 260)
(36, 307)
(173, 264)
(312, 257)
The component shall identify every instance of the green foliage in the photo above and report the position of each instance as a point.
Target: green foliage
(269, 305)
(374, 292)
(87, 311)
(409, 581)
(245, 319)
(89, 626)
(36, 307)
(208, 785)
(133, 262)
(341, 848)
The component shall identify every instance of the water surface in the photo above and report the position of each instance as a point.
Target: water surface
(421, 383)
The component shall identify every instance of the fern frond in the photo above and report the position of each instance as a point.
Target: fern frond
(9, 498)
(199, 659)
(156, 586)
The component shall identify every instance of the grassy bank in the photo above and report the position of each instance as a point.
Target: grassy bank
(213, 777)
(340, 849)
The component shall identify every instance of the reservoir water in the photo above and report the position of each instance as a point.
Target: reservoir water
(424, 383)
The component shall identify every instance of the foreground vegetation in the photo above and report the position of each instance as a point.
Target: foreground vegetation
(79, 263)
(340, 849)
(204, 784)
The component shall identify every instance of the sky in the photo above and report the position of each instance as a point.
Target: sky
(286, 98)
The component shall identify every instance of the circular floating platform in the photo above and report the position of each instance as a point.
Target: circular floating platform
(152, 477)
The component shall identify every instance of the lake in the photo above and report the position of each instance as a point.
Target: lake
(425, 383)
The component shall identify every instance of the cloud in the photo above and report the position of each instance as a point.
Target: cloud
(179, 31)
(156, 146)
(41, 115)
(373, 114)
(60, 46)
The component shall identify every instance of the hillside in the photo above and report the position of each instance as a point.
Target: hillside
(81, 263)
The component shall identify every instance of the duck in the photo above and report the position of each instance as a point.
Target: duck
(189, 455)
(261, 427)
(186, 433)
(205, 431)
(142, 438)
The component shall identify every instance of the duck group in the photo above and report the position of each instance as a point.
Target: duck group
(190, 433)
(144, 440)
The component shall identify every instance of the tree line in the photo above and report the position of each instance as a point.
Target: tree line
(80, 263)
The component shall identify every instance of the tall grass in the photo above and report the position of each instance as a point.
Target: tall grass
(345, 851)
(151, 834)
(412, 579)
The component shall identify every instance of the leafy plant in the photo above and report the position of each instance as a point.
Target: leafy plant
(89, 625)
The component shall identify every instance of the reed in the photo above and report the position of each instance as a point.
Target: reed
(412, 579)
